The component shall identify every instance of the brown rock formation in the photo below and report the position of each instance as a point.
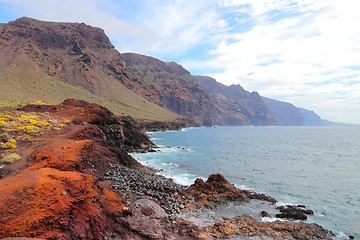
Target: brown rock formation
(52, 61)
(168, 85)
(232, 105)
(248, 227)
(218, 190)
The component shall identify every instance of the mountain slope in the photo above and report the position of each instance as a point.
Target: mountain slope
(232, 105)
(285, 114)
(54, 61)
(169, 85)
(49, 62)
(310, 118)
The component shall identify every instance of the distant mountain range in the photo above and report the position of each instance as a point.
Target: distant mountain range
(49, 62)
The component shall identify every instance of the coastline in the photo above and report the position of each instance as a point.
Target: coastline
(79, 182)
(339, 235)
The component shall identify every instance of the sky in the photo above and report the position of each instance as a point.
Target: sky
(306, 52)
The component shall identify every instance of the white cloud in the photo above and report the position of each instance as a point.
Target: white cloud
(182, 25)
(151, 27)
(318, 42)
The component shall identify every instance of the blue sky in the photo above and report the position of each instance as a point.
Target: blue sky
(306, 52)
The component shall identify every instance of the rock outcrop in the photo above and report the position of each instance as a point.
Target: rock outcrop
(209, 196)
(248, 228)
(294, 212)
(216, 189)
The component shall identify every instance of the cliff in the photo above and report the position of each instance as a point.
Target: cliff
(310, 118)
(52, 61)
(286, 114)
(232, 105)
(169, 85)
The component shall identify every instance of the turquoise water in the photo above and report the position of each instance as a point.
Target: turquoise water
(316, 166)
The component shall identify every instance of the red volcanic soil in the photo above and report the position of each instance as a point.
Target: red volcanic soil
(49, 203)
(58, 195)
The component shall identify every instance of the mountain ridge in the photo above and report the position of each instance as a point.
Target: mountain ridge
(233, 105)
(76, 54)
(52, 61)
(169, 85)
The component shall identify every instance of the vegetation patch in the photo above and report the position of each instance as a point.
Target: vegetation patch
(11, 144)
(11, 158)
(19, 123)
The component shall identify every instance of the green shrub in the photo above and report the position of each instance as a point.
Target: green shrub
(11, 158)
(11, 144)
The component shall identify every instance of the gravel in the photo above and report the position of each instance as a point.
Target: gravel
(133, 184)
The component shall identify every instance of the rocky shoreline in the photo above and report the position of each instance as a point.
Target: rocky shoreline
(134, 184)
(207, 205)
(76, 180)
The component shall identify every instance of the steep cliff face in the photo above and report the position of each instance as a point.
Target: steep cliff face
(41, 59)
(287, 114)
(311, 118)
(284, 113)
(169, 85)
(232, 105)
(73, 52)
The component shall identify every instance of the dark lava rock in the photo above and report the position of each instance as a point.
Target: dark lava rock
(264, 214)
(294, 212)
(294, 216)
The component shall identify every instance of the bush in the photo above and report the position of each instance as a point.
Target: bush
(4, 137)
(11, 158)
(11, 144)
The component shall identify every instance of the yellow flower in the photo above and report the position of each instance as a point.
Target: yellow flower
(11, 144)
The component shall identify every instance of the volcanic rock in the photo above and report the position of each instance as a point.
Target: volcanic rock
(168, 85)
(61, 191)
(246, 227)
(233, 105)
(294, 212)
(216, 190)
(33, 203)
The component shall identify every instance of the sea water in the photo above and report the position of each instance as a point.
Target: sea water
(315, 166)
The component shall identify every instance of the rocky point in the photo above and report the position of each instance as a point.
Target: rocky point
(74, 179)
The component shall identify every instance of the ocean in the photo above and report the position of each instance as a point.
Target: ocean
(315, 166)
